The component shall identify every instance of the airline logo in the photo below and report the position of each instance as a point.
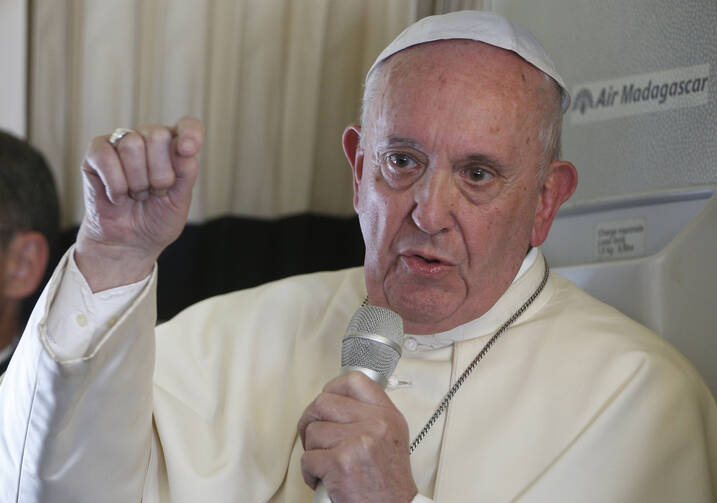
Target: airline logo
(638, 94)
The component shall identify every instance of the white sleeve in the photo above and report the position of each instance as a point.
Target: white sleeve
(79, 318)
(76, 405)
(421, 499)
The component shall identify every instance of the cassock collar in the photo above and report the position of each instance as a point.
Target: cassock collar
(526, 281)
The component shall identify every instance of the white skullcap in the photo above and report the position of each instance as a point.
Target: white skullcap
(480, 26)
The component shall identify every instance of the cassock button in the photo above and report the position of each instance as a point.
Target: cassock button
(81, 320)
(410, 344)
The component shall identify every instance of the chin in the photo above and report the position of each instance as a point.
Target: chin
(421, 306)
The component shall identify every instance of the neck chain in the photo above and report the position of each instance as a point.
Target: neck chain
(471, 367)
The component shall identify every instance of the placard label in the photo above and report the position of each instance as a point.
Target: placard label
(639, 94)
(620, 239)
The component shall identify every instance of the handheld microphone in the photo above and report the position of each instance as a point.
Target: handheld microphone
(372, 345)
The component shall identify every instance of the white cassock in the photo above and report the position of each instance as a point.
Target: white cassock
(575, 402)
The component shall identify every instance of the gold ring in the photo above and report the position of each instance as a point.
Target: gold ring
(118, 134)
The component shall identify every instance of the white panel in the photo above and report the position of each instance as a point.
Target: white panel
(13, 66)
(651, 146)
(648, 222)
(671, 287)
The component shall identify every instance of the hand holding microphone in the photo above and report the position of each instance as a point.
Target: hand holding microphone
(355, 439)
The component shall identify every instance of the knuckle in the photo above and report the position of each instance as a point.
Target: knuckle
(159, 135)
(102, 158)
(302, 422)
(348, 381)
(366, 443)
(310, 430)
(329, 385)
(162, 180)
(356, 379)
(98, 143)
(132, 143)
(346, 460)
(310, 434)
(321, 402)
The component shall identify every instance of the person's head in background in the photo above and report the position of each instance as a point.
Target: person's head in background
(29, 224)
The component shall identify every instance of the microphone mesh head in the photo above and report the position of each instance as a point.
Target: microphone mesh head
(360, 350)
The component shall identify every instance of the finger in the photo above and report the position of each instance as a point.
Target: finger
(103, 170)
(186, 170)
(359, 387)
(336, 409)
(329, 407)
(132, 154)
(314, 466)
(328, 435)
(158, 140)
(190, 136)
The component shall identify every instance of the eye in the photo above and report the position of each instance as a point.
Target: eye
(478, 175)
(401, 161)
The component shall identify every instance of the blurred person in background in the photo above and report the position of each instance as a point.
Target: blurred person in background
(29, 222)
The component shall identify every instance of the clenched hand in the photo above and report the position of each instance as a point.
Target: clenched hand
(137, 198)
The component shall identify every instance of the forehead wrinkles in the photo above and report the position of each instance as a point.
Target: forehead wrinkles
(473, 62)
(451, 74)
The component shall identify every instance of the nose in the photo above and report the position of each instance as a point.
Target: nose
(435, 198)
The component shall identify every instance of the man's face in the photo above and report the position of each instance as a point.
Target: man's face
(446, 180)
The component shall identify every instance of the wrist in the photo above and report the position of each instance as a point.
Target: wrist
(110, 266)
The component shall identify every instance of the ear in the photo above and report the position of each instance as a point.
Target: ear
(25, 263)
(351, 141)
(560, 182)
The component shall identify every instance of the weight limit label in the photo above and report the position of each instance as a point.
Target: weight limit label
(620, 239)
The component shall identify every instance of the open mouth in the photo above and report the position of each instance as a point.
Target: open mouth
(428, 260)
(425, 266)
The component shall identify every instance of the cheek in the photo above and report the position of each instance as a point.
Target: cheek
(374, 214)
(382, 212)
(499, 234)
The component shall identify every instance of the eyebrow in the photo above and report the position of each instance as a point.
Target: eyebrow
(398, 140)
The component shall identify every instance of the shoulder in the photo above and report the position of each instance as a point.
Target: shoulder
(585, 329)
(592, 318)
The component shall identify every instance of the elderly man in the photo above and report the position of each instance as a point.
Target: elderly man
(553, 395)
(29, 222)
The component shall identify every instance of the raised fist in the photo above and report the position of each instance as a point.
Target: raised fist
(137, 196)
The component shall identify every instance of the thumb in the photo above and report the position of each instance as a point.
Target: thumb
(186, 169)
